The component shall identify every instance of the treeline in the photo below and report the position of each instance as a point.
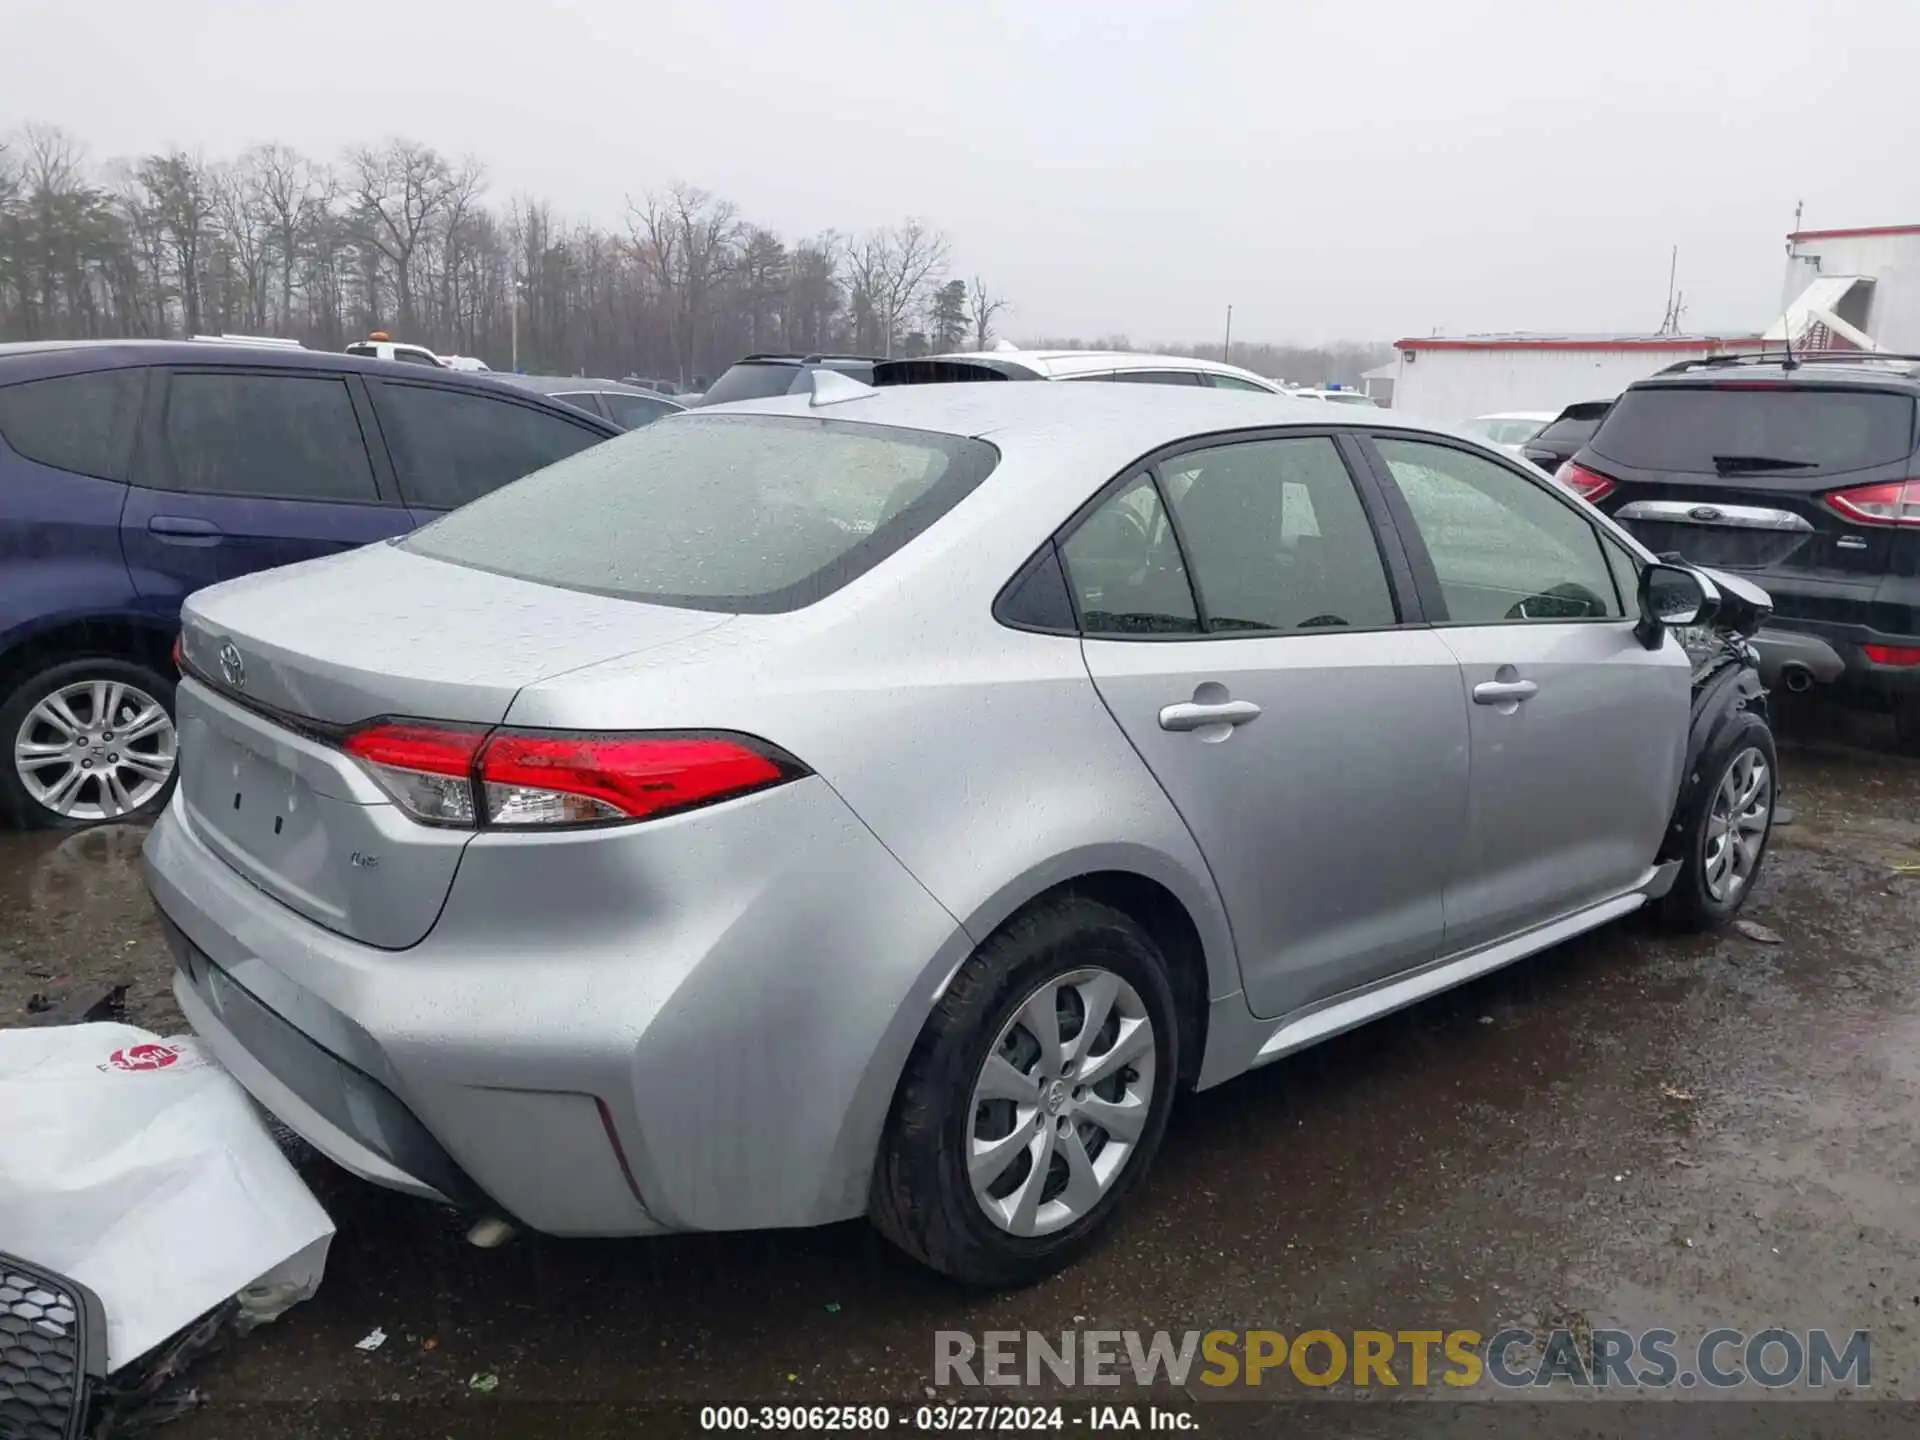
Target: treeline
(398, 237)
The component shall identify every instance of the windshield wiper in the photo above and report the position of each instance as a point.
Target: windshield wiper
(1746, 464)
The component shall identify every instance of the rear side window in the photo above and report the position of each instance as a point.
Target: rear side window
(1234, 382)
(1124, 566)
(1277, 537)
(1158, 377)
(752, 382)
(718, 512)
(581, 400)
(83, 423)
(1747, 431)
(630, 412)
(452, 446)
(288, 437)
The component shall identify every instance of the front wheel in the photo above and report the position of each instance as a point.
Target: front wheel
(1034, 1100)
(87, 741)
(1726, 829)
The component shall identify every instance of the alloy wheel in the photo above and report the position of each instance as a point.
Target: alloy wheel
(1061, 1102)
(1737, 825)
(95, 750)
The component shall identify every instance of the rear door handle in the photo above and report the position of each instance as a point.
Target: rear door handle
(184, 530)
(1191, 716)
(1499, 692)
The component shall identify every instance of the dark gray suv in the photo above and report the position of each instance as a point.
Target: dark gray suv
(1803, 473)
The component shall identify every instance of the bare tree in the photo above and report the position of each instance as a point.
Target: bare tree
(294, 193)
(892, 269)
(244, 227)
(981, 308)
(686, 239)
(398, 189)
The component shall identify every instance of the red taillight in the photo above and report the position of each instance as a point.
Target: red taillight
(1896, 502)
(536, 779)
(521, 779)
(427, 768)
(177, 654)
(1583, 482)
(1893, 654)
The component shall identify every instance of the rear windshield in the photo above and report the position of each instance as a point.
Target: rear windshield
(752, 382)
(1719, 429)
(717, 512)
(1573, 429)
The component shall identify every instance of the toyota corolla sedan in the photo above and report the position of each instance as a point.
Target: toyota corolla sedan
(886, 802)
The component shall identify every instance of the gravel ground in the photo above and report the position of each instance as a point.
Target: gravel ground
(1632, 1130)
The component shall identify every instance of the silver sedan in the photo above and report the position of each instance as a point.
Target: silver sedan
(886, 802)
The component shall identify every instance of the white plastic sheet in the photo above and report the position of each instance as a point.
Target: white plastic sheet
(137, 1166)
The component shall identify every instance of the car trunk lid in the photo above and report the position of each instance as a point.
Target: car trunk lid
(279, 670)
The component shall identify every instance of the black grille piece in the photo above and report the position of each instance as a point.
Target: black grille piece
(53, 1339)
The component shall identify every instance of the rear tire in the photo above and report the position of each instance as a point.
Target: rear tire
(1726, 829)
(979, 1075)
(118, 764)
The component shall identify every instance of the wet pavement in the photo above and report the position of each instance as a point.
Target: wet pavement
(1632, 1130)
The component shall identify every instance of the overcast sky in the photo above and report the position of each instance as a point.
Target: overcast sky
(1361, 169)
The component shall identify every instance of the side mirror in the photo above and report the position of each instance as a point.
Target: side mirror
(1673, 595)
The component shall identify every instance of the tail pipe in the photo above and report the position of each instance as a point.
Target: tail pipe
(1797, 678)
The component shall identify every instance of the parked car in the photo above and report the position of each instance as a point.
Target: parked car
(758, 376)
(628, 406)
(382, 346)
(1511, 429)
(863, 816)
(1805, 475)
(1564, 434)
(1121, 365)
(134, 472)
(1338, 397)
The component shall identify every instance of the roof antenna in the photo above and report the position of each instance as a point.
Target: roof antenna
(1786, 321)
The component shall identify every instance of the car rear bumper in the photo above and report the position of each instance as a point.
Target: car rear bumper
(1798, 654)
(585, 1042)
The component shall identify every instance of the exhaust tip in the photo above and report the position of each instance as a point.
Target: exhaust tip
(1797, 678)
(491, 1233)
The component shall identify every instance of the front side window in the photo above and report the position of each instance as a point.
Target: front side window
(1124, 566)
(1504, 549)
(289, 437)
(451, 446)
(717, 512)
(581, 400)
(82, 423)
(1277, 538)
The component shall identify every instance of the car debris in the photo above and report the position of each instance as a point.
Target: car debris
(137, 1168)
(372, 1340)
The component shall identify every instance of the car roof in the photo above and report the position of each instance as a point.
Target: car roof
(575, 384)
(1112, 424)
(47, 358)
(1520, 415)
(1059, 364)
(1864, 369)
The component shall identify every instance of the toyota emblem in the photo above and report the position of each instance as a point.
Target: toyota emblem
(232, 668)
(1705, 514)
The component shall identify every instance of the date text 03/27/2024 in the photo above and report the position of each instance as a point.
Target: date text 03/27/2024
(957, 1419)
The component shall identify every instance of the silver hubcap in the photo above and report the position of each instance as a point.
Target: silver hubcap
(94, 750)
(1061, 1102)
(1737, 824)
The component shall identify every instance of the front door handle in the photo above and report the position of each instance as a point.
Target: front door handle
(1502, 692)
(184, 530)
(1193, 716)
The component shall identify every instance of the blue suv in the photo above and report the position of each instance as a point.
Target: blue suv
(133, 473)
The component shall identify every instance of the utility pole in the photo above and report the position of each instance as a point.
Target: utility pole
(513, 309)
(1226, 348)
(1669, 322)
